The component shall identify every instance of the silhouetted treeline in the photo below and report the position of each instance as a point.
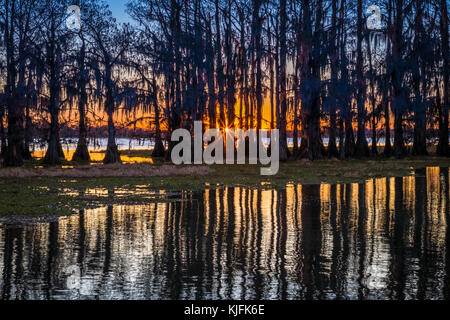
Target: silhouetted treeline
(318, 68)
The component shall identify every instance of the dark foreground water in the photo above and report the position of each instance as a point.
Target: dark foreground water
(388, 238)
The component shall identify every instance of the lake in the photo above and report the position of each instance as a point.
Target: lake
(387, 238)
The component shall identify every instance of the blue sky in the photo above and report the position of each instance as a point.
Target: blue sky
(118, 8)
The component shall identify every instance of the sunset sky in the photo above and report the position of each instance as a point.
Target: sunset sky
(118, 8)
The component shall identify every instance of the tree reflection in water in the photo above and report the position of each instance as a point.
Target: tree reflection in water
(387, 238)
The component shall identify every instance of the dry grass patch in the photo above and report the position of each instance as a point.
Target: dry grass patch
(103, 171)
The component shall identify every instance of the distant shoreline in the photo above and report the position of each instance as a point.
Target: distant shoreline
(295, 171)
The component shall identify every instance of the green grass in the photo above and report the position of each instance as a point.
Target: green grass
(58, 196)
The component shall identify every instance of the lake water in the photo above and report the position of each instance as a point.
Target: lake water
(144, 143)
(388, 238)
(98, 146)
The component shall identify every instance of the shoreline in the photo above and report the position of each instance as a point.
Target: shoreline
(58, 191)
(297, 171)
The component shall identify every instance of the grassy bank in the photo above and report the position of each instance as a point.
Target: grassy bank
(41, 191)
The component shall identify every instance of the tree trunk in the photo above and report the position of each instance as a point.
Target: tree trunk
(341, 140)
(54, 152)
(2, 134)
(295, 107)
(52, 156)
(230, 70)
(242, 70)
(420, 142)
(398, 97)
(284, 152)
(373, 99)
(316, 150)
(270, 65)
(112, 152)
(418, 79)
(443, 147)
(362, 148)
(13, 155)
(349, 136)
(158, 150)
(14, 151)
(28, 135)
(332, 148)
(28, 122)
(374, 150)
(387, 120)
(387, 90)
(169, 101)
(174, 107)
(219, 69)
(346, 145)
(82, 153)
(277, 72)
(310, 82)
(210, 76)
(399, 144)
(258, 54)
(295, 151)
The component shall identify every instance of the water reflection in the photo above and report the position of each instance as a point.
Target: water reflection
(96, 156)
(388, 238)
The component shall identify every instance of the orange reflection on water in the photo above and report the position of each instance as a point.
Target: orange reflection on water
(385, 238)
(96, 156)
